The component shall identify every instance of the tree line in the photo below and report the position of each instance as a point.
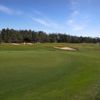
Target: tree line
(20, 36)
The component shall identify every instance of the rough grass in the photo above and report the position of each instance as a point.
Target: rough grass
(40, 72)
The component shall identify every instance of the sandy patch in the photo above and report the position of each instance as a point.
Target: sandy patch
(29, 43)
(15, 44)
(66, 48)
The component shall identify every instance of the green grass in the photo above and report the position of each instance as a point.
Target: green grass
(40, 72)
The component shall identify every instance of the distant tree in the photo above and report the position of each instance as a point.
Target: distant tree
(53, 37)
(19, 36)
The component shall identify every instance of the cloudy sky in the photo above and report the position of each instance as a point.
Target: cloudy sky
(75, 17)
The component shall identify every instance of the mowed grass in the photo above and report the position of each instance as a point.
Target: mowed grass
(40, 72)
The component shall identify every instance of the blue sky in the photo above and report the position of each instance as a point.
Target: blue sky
(75, 17)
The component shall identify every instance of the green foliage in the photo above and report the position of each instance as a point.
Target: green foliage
(19, 36)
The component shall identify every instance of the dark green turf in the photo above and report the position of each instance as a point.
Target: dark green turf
(40, 72)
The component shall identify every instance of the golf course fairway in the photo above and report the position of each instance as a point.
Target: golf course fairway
(42, 72)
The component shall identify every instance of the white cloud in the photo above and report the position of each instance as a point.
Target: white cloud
(76, 26)
(17, 12)
(42, 19)
(47, 23)
(38, 12)
(9, 11)
(75, 13)
(77, 20)
(5, 9)
(78, 23)
(74, 4)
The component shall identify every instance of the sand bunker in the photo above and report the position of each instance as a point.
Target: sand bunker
(15, 44)
(29, 43)
(66, 48)
(22, 43)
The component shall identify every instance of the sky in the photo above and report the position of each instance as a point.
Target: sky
(74, 17)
